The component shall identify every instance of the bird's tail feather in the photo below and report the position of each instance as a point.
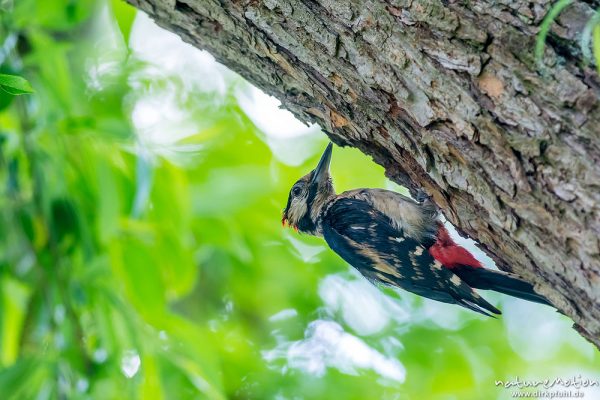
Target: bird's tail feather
(503, 282)
(482, 307)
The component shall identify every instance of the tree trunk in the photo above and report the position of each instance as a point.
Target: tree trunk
(448, 97)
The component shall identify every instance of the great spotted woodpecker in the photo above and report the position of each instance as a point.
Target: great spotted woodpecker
(394, 240)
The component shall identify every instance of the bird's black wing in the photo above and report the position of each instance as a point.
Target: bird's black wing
(367, 239)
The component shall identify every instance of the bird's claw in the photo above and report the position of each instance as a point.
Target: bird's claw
(422, 196)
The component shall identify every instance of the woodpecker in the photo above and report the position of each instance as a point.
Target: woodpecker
(394, 240)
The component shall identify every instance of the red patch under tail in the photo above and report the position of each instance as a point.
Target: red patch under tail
(451, 255)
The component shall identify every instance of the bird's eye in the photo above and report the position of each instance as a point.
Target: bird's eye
(296, 191)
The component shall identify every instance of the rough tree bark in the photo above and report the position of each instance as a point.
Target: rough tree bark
(447, 96)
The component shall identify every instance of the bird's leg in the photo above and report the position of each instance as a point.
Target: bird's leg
(422, 196)
(427, 204)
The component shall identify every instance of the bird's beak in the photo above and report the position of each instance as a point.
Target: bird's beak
(322, 171)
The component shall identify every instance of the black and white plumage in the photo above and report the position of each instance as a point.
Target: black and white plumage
(394, 240)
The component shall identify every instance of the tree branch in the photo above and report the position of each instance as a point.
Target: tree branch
(447, 97)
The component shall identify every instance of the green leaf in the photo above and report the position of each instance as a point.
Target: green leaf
(133, 263)
(5, 100)
(124, 14)
(15, 85)
(597, 46)
(12, 384)
(545, 28)
(14, 300)
(586, 37)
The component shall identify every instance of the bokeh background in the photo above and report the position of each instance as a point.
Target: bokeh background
(142, 254)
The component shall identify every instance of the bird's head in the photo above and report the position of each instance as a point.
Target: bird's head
(308, 195)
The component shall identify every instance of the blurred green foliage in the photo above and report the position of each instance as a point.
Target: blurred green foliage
(128, 274)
